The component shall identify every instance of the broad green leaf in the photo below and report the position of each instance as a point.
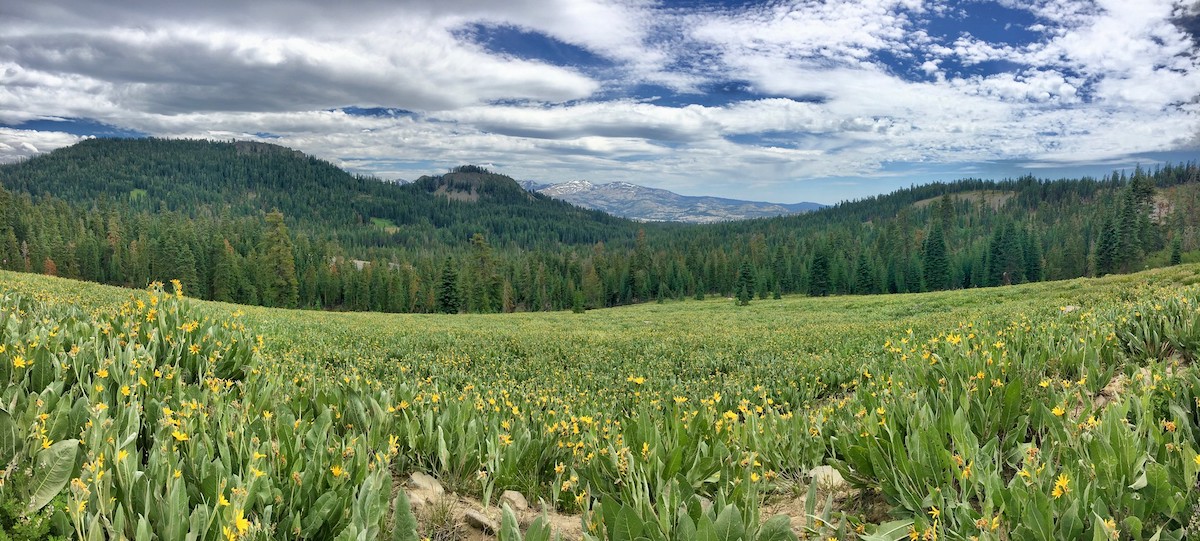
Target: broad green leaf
(9, 440)
(685, 528)
(144, 533)
(539, 530)
(1133, 525)
(889, 531)
(729, 525)
(705, 529)
(51, 473)
(319, 513)
(443, 452)
(778, 528)
(1098, 529)
(404, 524)
(628, 526)
(509, 530)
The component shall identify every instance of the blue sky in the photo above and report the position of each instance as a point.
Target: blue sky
(798, 100)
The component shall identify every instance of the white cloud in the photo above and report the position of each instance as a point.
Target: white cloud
(1102, 80)
(20, 144)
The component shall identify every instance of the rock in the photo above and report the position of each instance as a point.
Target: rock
(825, 477)
(1069, 308)
(424, 490)
(515, 500)
(1111, 392)
(481, 522)
(424, 483)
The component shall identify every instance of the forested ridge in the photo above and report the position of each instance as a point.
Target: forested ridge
(261, 224)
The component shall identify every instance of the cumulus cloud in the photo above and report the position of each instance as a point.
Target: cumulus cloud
(18, 144)
(832, 88)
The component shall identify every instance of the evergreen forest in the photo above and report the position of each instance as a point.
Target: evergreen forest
(255, 223)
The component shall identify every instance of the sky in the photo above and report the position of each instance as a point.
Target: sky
(783, 101)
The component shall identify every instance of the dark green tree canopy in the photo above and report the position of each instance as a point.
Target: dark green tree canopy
(261, 224)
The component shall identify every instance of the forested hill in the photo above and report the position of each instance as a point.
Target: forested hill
(240, 179)
(131, 211)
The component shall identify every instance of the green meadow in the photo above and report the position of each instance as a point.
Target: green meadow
(1056, 410)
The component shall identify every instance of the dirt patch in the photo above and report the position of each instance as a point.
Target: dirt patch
(467, 197)
(992, 198)
(443, 515)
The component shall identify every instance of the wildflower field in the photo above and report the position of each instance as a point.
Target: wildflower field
(1061, 410)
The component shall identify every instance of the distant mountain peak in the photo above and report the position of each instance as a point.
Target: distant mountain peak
(637, 202)
(568, 188)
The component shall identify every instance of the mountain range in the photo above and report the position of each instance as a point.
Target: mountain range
(657, 205)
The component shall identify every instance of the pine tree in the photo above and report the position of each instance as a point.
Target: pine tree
(282, 287)
(1176, 251)
(745, 284)
(448, 299)
(864, 282)
(818, 274)
(913, 274)
(577, 305)
(945, 211)
(937, 264)
(11, 251)
(780, 267)
(1006, 258)
(177, 262)
(485, 284)
(1033, 258)
(639, 268)
(1106, 248)
(1128, 252)
(225, 275)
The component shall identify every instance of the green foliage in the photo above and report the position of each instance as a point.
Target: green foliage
(282, 288)
(977, 413)
(404, 525)
(819, 274)
(577, 303)
(18, 523)
(52, 468)
(204, 215)
(937, 266)
(745, 284)
(449, 297)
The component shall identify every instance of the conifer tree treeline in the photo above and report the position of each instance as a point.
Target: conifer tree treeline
(259, 224)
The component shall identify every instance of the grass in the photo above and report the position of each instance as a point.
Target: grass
(385, 224)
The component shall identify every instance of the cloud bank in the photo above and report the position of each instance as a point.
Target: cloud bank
(778, 101)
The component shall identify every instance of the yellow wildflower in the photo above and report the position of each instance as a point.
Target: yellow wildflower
(1061, 486)
(240, 522)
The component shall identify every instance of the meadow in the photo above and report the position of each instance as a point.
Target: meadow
(1059, 410)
